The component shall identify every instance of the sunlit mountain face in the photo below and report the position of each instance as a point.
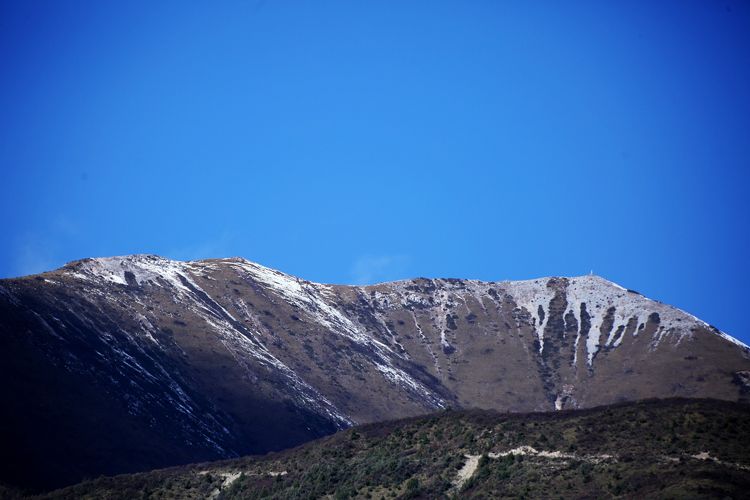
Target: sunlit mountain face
(123, 364)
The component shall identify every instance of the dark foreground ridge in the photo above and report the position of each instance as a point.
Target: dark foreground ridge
(672, 448)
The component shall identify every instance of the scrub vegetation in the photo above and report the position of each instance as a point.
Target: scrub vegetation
(673, 448)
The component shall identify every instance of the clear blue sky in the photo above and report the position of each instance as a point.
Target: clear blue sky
(355, 142)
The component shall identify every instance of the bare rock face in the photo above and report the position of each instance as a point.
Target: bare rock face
(129, 363)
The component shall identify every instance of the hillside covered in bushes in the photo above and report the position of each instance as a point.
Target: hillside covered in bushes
(657, 449)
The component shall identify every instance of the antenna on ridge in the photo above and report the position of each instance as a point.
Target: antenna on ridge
(591, 273)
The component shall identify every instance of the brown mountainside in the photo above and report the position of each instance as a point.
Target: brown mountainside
(130, 363)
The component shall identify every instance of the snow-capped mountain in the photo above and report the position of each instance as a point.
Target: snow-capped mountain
(129, 363)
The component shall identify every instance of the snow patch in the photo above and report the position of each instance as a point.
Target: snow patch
(313, 299)
(531, 295)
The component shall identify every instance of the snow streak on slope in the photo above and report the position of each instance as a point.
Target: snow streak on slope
(534, 296)
(131, 364)
(631, 310)
(313, 298)
(241, 342)
(599, 295)
(612, 313)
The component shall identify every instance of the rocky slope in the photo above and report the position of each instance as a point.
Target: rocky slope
(129, 363)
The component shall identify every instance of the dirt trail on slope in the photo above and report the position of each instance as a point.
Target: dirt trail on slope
(468, 470)
(229, 478)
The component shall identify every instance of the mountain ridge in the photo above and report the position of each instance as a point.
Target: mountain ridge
(590, 276)
(222, 357)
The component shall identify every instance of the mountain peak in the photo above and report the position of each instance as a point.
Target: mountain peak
(216, 357)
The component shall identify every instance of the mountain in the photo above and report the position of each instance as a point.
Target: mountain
(652, 449)
(124, 364)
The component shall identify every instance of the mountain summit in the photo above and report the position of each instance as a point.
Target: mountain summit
(129, 363)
